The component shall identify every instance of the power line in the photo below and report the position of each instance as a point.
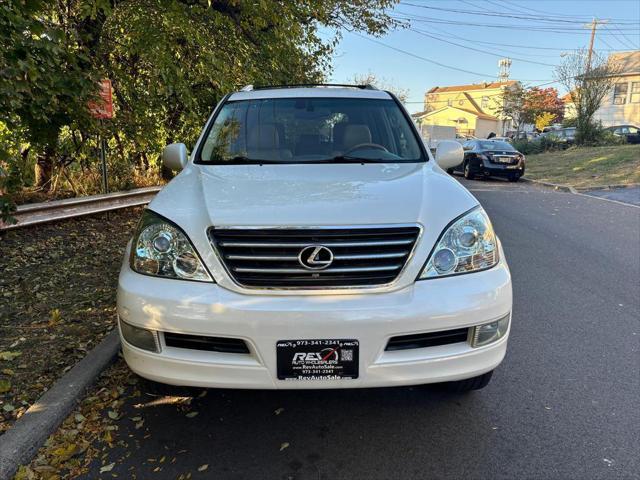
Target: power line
(503, 15)
(634, 46)
(534, 28)
(619, 39)
(420, 32)
(505, 44)
(428, 60)
(577, 18)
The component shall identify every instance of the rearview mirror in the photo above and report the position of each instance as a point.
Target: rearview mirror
(449, 154)
(174, 156)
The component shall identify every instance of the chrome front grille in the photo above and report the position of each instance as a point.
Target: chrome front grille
(314, 257)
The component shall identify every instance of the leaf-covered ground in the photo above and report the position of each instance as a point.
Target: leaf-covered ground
(57, 301)
(109, 425)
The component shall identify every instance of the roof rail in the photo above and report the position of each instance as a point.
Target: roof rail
(303, 85)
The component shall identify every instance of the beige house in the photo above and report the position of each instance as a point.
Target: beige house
(471, 109)
(622, 105)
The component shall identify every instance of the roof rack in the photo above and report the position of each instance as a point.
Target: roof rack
(250, 88)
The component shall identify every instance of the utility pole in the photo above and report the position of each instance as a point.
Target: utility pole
(593, 25)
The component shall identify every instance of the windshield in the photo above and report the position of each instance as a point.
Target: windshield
(310, 130)
(495, 146)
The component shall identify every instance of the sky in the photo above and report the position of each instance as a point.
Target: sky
(548, 28)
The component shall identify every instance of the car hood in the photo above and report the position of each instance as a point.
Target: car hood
(311, 194)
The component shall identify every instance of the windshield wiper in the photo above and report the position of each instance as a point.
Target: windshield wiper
(245, 159)
(352, 159)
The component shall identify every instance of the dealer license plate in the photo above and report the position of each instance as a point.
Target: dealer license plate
(317, 359)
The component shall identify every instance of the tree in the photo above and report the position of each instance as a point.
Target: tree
(541, 101)
(544, 119)
(170, 62)
(370, 78)
(513, 106)
(588, 87)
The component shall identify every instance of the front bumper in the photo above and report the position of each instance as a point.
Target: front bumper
(176, 306)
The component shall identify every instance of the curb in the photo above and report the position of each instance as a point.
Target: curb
(22, 441)
(555, 186)
(608, 187)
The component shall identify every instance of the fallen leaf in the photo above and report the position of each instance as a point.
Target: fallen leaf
(79, 418)
(107, 468)
(112, 415)
(279, 411)
(284, 445)
(8, 371)
(5, 385)
(8, 356)
(202, 468)
(65, 452)
(7, 407)
(191, 414)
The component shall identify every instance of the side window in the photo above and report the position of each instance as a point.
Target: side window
(620, 93)
(485, 102)
(449, 102)
(635, 92)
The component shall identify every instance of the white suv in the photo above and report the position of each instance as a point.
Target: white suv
(312, 241)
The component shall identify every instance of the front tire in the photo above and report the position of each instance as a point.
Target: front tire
(450, 171)
(469, 384)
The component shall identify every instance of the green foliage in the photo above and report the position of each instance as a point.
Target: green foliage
(170, 62)
(538, 145)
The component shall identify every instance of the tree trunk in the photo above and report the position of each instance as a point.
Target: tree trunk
(44, 169)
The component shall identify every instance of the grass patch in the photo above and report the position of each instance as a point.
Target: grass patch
(587, 166)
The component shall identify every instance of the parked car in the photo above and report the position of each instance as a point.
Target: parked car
(502, 139)
(562, 135)
(630, 132)
(312, 241)
(491, 158)
(513, 135)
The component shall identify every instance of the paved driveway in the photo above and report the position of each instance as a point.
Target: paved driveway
(565, 404)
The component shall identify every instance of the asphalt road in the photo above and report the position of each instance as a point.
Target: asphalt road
(626, 194)
(565, 403)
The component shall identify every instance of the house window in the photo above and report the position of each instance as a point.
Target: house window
(620, 93)
(635, 92)
(485, 102)
(450, 102)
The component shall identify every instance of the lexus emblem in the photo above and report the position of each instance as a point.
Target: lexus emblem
(315, 257)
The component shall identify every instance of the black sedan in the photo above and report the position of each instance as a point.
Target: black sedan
(629, 132)
(491, 158)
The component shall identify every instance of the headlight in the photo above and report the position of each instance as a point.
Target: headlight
(161, 249)
(467, 245)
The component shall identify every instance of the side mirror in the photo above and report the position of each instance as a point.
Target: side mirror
(174, 156)
(449, 154)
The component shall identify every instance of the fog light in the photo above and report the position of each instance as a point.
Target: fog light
(490, 332)
(140, 337)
